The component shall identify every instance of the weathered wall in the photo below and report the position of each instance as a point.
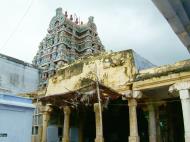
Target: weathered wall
(17, 77)
(115, 70)
(162, 76)
(181, 66)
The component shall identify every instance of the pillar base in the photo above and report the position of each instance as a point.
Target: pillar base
(65, 140)
(152, 138)
(99, 139)
(134, 139)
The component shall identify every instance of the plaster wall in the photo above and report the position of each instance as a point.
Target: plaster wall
(114, 70)
(17, 78)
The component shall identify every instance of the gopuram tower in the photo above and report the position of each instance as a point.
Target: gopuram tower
(67, 40)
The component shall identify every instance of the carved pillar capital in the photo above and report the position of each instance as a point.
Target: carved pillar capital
(132, 102)
(137, 94)
(133, 94)
(67, 110)
(184, 94)
(46, 109)
(181, 89)
(151, 107)
(180, 86)
(96, 108)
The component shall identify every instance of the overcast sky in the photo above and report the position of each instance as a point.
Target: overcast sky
(122, 24)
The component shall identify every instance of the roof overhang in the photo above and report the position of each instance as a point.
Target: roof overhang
(86, 95)
(177, 13)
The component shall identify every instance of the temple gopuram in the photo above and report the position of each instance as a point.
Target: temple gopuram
(67, 40)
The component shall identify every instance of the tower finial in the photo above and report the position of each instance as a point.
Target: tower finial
(71, 17)
(59, 11)
(66, 14)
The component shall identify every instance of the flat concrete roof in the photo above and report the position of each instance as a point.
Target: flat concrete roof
(12, 100)
(16, 61)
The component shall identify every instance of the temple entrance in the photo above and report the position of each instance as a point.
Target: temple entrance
(116, 121)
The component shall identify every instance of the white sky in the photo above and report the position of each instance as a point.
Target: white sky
(122, 24)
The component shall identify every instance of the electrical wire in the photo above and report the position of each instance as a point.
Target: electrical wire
(18, 25)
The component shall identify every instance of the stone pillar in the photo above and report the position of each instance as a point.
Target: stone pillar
(46, 116)
(158, 130)
(99, 127)
(134, 137)
(40, 131)
(152, 123)
(183, 88)
(185, 102)
(66, 127)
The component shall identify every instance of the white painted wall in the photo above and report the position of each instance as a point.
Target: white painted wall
(16, 77)
(15, 119)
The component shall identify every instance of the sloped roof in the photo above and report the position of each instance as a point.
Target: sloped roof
(177, 13)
